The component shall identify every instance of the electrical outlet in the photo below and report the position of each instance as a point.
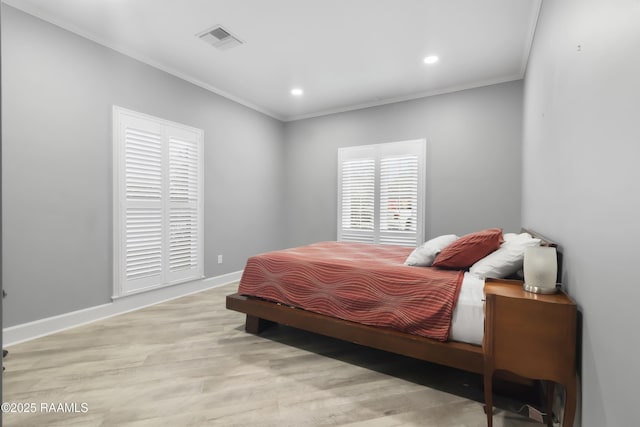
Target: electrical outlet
(219, 259)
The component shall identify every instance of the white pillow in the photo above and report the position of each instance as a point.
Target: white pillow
(423, 255)
(507, 237)
(505, 261)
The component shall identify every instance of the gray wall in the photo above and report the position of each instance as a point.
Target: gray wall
(473, 160)
(581, 183)
(58, 90)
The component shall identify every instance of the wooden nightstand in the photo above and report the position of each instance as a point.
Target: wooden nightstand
(530, 335)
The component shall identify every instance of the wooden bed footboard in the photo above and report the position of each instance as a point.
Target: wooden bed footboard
(261, 314)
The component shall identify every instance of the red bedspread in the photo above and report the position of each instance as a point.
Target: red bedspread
(363, 283)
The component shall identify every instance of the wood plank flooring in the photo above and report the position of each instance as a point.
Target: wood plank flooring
(188, 362)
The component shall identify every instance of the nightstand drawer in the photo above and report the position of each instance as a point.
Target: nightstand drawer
(532, 338)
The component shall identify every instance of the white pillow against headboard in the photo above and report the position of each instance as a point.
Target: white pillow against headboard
(507, 260)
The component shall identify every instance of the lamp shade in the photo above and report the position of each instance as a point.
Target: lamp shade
(540, 269)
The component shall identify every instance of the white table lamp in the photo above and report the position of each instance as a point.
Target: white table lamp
(540, 269)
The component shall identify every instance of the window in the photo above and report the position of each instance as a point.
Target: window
(157, 202)
(381, 191)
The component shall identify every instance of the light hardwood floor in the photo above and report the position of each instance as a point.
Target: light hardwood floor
(188, 362)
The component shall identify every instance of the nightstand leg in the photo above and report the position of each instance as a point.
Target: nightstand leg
(571, 388)
(549, 409)
(488, 397)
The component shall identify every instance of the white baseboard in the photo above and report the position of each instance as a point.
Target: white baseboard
(39, 328)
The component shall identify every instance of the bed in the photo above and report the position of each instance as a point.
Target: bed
(456, 343)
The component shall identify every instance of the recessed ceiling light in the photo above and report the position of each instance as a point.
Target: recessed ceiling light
(297, 91)
(432, 59)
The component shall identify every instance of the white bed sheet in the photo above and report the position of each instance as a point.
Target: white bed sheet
(468, 316)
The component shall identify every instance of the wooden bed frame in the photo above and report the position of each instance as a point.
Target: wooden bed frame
(262, 314)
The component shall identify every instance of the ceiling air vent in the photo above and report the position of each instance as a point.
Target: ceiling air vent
(220, 38)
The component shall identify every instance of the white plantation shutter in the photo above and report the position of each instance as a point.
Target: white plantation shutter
(157, 202)
(357, 211)
(381, 192)
(184, 238)
(399, 200)
(142, 204)
(143, 245)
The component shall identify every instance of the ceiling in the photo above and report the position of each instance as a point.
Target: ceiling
(344, 54)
